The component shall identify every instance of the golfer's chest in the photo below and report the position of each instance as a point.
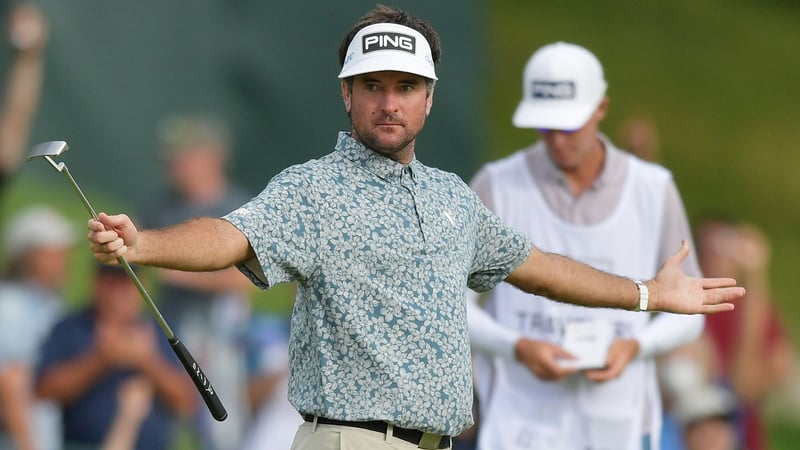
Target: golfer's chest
(401, 220)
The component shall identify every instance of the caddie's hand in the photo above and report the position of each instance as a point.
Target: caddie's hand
(111, 237)
(674, 291)
(542, 357)
(620, 354)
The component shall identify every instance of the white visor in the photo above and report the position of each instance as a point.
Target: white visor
(388, 46)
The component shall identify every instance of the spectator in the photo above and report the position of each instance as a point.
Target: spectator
(208, 310)
(700, 413)
(37, 244)
(274, 421)
(575, 193)
(93, 353)
(639, 135)
(468, 439)
(754, 353)
(27, 35)
(134, 401)
(715, 431)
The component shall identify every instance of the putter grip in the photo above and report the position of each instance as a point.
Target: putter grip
(200, 380)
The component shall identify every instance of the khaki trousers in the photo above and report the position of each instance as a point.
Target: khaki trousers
(334, 437)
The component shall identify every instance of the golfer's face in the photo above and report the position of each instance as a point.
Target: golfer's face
(388, 110)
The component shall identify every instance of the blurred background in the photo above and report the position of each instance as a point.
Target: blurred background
(716, 80)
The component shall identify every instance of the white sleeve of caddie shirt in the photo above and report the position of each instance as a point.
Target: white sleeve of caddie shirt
(667, 331)
(485, 334)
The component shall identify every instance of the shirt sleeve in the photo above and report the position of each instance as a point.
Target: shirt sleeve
(486, 335)
(281, 225)
(62, 344)
(667, 331)
(676, 229)
(18, 339)
(499, 249)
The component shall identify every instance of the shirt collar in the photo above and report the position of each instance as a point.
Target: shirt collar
(377, 164)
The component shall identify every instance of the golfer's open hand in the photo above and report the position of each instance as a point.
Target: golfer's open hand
(674, 291)
(111, 237)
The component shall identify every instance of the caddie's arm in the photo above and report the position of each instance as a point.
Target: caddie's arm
(560, 278)
(201, 244)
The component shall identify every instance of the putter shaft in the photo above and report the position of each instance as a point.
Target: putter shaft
(61, 167)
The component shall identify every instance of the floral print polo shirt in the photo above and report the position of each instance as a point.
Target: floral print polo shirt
(381, 254)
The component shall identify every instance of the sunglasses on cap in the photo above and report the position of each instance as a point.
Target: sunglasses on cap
(548, 130)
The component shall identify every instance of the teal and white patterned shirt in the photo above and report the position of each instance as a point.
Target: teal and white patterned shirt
(381, 253)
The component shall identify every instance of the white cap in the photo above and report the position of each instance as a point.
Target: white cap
(388, 46)
(38, 227)
(710, 400)
(562, 87)
(693, 395)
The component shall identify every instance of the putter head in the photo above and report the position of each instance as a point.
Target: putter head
(51, 148)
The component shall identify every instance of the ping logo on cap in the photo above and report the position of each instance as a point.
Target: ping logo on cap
(562, 90)
(388, 41)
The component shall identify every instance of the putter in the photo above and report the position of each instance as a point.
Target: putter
(50, 150)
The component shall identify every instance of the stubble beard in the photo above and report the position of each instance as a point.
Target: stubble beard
(372, 140)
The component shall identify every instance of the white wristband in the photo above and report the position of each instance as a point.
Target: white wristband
(644, 295)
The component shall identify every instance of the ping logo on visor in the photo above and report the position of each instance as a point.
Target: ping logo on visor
(407, 51)
(388, 41)
(562, 90)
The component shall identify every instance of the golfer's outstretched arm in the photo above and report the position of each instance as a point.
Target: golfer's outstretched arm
(566, 280)
(201, 244)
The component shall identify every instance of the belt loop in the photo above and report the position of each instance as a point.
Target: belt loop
(314, 424)
(429, 441)
(389, 433)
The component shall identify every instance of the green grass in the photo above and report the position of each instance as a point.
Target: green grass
(783, 435)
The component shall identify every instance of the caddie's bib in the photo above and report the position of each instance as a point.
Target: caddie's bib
(521, 412)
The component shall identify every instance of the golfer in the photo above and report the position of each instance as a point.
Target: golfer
(382, 247)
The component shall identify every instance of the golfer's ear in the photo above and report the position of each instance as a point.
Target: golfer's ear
(429, 103)
(346, 95)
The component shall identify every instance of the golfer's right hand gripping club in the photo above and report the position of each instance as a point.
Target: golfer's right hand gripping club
(49, 150)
